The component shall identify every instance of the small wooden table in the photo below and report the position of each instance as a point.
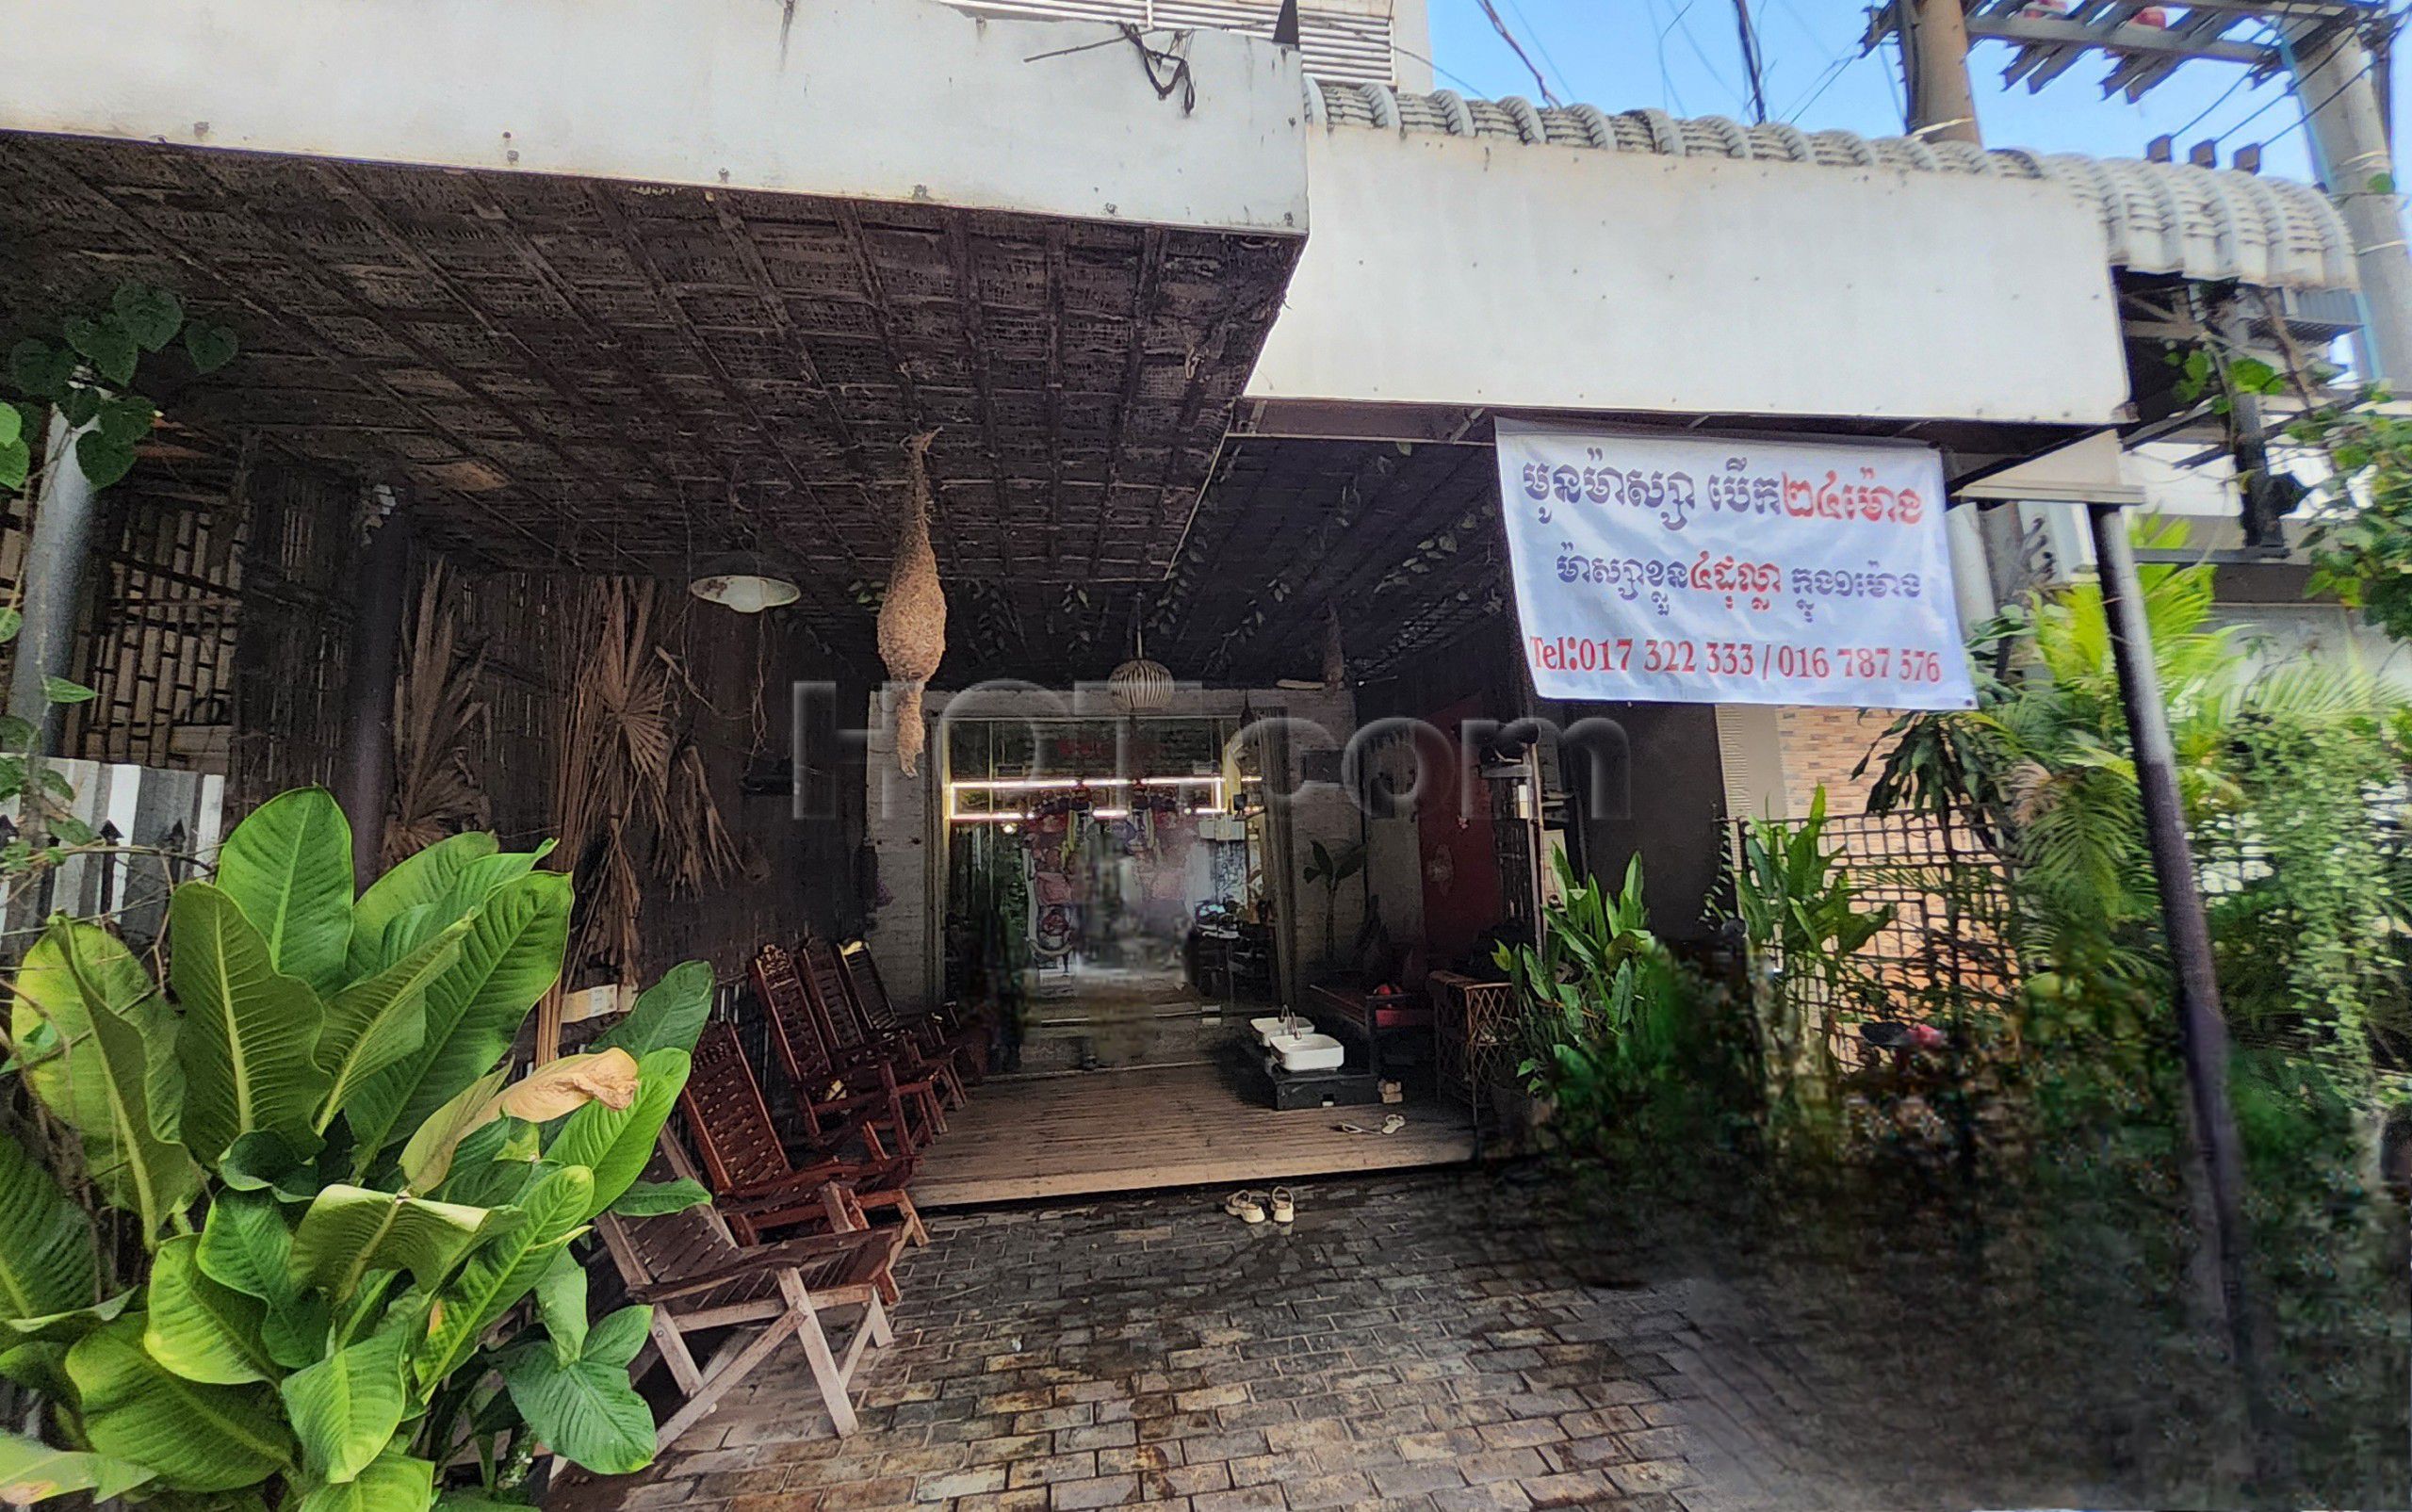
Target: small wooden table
(1371, 1016)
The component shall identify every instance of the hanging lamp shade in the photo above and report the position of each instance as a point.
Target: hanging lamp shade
(745, 581)
(1140, 686)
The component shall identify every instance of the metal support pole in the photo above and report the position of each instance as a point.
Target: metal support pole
(55, 556)
(2336, 78)
(2202, 1032)
(1934, 55)
(366, 784)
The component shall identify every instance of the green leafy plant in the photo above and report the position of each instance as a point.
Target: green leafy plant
(293, 1205)
(1800, 918)
(1329, 868)
(1615, 1028)
(88, 374)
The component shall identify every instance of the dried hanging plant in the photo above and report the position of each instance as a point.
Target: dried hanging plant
(614, 762)
(912, 615)
(438, 710)
(693, 849)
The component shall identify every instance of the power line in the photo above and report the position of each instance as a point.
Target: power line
(1491, 12)
(1750, 62)
(1540, 45)
(1458, 79)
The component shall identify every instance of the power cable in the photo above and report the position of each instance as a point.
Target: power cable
(1540, 45)
(1491, 13)
(1750, 62)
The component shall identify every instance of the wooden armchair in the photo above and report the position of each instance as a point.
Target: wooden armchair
(828, 1087)
(760, 1190)
(937, 1030)
(850, 1034)
(689, 1266)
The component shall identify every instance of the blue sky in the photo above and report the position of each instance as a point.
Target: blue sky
(1684, 56)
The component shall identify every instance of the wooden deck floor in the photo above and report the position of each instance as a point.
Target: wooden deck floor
(1129, 1131)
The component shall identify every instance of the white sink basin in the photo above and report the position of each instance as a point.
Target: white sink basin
(1308, 1052)
(1266, 1029)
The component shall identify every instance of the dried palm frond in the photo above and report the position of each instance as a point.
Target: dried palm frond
(614, 762)
(439, 707)
(693, 849)
(912, 615)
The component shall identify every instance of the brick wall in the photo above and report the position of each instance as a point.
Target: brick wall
(1822, 746)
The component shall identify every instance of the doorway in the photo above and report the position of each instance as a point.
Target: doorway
(1107, 882)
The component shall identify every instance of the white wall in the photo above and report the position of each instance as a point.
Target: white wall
(897, 100)
(1480, 272)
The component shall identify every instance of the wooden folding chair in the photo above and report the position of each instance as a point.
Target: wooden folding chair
(826, 987)
(689, 1266)
(831, 1095)
(935, 1030)
(760, 1190)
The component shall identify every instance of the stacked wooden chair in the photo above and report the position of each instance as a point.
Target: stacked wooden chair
(851, 1033)
(765, 1185)
(833, 1083)
(964, 1036)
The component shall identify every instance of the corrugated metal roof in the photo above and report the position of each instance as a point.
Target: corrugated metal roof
(2159, 217)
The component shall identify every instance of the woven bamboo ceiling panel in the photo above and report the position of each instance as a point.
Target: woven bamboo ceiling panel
(1402, 541)
(617, 377)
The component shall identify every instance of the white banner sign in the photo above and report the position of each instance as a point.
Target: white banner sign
(1697, 571)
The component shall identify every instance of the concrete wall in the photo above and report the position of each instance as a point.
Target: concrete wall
(1477, 271)
(895, 100)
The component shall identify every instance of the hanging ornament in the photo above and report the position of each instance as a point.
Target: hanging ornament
(1139, 686)
(912, 618)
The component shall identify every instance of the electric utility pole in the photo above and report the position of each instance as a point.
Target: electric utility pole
(1934, 59)
(2330, 49)
(2337, 78)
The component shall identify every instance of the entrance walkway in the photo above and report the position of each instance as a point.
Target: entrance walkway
(1083, 1132)
(1411, 1343)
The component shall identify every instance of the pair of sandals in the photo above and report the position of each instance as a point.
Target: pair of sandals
(1255, 1207)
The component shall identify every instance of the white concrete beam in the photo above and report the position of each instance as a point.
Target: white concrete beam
(1448, 270)
(884, 100)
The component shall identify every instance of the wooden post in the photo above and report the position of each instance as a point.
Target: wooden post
(2202, 1030)
(364, 786)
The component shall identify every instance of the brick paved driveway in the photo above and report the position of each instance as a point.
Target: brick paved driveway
(1409, 1342)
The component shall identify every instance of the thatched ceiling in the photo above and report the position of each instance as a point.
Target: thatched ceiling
(614, 377)
(1402, 541)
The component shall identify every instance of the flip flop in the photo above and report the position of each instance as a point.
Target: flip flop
(1286, 1205)
(1245, 1206)
(1352, 1129)
(1393, 1123)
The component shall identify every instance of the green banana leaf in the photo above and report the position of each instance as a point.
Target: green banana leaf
(201, 1329)
(417, 882)
(512, 953)
(351, 1231)
(115, 1052)
(394, 1481)
(505, 1269)
(616, 1143)
(288, 865)
(245, 1245)
(346, 1408)
(48, 1264)
(195, 1437)
(34, 1472)
(249, 1029)
(587, 1409)
(667, 1016)
(378, 1019)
